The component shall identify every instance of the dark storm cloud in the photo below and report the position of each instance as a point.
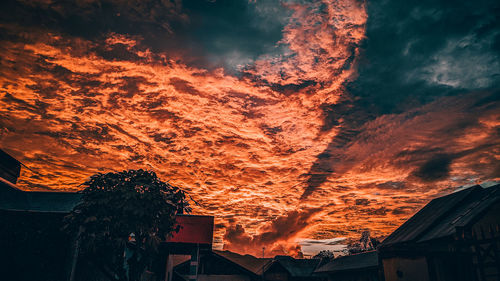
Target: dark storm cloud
(414, 53)
(92, 18)
(436, 168)
(226, 33)
(233, 33)
(325, 164)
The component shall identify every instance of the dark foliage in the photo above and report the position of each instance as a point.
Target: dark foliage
(325, 256)
(366, 243)
(114, 206)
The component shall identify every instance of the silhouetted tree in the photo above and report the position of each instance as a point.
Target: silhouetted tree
(354, 248)
(325, 257)
(365, 239)
(375, 242)
(366, 243)
(122, 218)
(324, 254)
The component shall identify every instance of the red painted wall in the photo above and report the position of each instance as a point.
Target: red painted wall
(194, 229)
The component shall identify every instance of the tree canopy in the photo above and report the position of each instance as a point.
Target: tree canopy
(324, 255)
(115, 205)
(366, 243)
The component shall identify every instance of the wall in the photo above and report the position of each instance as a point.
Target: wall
(490, 219)
(32, 247)
(405, 269)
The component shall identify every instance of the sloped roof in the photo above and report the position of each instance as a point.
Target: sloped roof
(298, 267)
(10, 167)
(359, 261)
(442, 215)
(17, 200)
(14, 199)
(248, 262)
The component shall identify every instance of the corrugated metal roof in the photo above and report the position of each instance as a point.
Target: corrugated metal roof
(442, 215)
(353, 262)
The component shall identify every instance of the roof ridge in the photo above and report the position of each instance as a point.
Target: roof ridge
(408, 223)
(218, 253)
(485, 197)
(10, 184)
(470, 190)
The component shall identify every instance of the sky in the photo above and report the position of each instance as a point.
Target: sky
(298, 124)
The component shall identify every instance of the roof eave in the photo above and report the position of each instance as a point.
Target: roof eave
(10, 184)
(347, 270)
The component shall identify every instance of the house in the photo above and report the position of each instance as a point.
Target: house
(357, 267)
(286, 268)
(229, 266)
(194, 239)
(32, 245)
(454, 237)
(225, 266)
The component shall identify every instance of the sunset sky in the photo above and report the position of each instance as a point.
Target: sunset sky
(295, 123)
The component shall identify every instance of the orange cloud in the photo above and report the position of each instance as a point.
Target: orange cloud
(278, 235)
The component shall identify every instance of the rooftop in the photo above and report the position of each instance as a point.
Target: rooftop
(353, 262)
(443, 215)
(55, 202)
(248, 262)
(14, 199)
(297, 267)
(10, 168)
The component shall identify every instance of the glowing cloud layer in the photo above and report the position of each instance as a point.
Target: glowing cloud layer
(258, 150)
